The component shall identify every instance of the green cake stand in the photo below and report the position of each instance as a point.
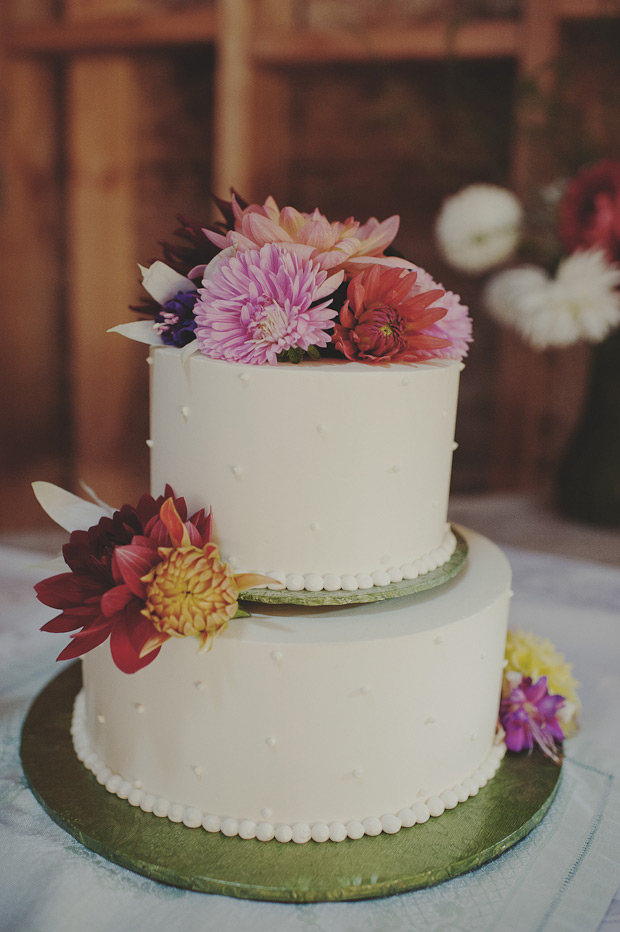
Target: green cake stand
(461, 840)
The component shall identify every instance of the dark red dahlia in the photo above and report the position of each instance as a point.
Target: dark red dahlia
(95, 599)
(589, 213)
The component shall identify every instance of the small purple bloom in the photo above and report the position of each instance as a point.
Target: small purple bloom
(176, 323)
(529, 714)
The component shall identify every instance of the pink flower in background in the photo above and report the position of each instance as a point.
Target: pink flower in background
(384, 319)
(590, 209)
(528, 715)
(263, 302)
(338, 245)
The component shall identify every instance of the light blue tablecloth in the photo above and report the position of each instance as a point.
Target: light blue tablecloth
(562, 878)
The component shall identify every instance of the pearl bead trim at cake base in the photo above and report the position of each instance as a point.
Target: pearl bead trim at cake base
(332, 582)
(299, 832)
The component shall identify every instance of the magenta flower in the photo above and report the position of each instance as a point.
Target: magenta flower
(263, 302)
(528, 714)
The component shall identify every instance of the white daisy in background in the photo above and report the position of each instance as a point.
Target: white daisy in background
(479, 227)
(582, 302)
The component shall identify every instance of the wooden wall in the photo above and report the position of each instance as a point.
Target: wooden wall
(119, 114)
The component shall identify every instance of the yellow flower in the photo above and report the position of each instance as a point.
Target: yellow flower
(533, 656)
(190, 593)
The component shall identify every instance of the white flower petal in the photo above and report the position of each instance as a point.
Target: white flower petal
(582, 302)
(478, 228)
(142, 331)
(67, 510)
(163, 283)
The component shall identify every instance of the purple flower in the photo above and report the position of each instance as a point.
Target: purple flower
(175, 323)
(528, 714)
(262, 302)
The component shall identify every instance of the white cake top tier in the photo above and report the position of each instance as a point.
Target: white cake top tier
(328, 469)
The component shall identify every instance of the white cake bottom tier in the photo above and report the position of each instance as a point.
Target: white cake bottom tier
(311, 723)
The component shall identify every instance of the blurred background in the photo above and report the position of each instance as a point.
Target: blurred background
(117, 115)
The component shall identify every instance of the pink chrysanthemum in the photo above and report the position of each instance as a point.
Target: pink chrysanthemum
(455, 326)
(263, 302)
(338, 245)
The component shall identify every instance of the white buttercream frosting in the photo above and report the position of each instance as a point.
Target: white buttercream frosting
(299, 832)
(348, 718)
(326, 471)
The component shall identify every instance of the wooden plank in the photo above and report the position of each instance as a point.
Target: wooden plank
(115, 33)
(525, 375)
(423, 41)
(587, 9)
(232, 157)
(271, 112)
(102, 151)
(33, 426)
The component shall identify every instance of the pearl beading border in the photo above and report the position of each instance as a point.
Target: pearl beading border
(331, 582)
(300, 832)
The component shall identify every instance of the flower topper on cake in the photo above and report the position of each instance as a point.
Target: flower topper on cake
(269, 285)
(139, 576)
(539, 695)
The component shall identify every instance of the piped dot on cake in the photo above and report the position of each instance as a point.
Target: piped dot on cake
(101, 719)
(150, 444)
(365, 690)
(321, 428)
(139, 708)
(185, 412)
(438, 639)
(455, 445)
(314, 526)
(197, 770)
(357, 772)
(294, 582)
(200, 686)
(332, 583)
(270, 742)
(430, 720)
(266, 813)
(149, 360)
(396, 468)
(237, 471)
(405, 381)
(244, 378)
(276, 655)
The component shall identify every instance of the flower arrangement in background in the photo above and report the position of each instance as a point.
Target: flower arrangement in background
(539, 702)
(138, 576)
(572, 291)
(269, 285)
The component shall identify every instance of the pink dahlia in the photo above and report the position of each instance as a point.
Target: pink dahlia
(528, 715)
(590, 209)
(456, 325)
(263, 302)
(339, 245)
(385, 320)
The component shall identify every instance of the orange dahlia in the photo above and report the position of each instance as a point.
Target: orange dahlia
(384, 320)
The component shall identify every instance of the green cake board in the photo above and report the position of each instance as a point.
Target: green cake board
(430, 580)
(462, 839)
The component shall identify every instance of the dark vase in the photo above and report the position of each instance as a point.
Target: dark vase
(588, 479)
